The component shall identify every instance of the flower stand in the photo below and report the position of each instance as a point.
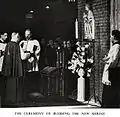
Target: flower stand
(81, 89)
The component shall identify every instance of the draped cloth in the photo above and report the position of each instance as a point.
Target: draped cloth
(12, 64)
(111, 93)
(30, 65)
(115, 15)
(2, 49)
(2, 79)
(12, 70)
(32, 47)
(112, 61)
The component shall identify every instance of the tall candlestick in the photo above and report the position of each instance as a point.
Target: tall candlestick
(76, 28)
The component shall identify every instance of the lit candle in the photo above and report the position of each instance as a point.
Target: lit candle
(76, 28)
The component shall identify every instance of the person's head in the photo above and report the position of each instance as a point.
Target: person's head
(50, 42)
(87, 7)
(28, 33)
(42, 41)
(68, 44)
(58, 42)
(15, 36)
(55, 44)
(115, 36)
(4, 36)
(64, 44)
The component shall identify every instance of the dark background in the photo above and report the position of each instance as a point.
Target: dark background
(58, 20)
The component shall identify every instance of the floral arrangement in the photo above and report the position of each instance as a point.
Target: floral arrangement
(82, 60)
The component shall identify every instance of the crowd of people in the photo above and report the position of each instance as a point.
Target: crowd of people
(19, 58)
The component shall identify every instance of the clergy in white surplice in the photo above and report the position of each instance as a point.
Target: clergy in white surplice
(31, 46)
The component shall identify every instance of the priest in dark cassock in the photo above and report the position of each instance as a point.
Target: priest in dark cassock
(12, 69)
(3, 38)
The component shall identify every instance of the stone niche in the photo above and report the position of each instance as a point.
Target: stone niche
(101, 13)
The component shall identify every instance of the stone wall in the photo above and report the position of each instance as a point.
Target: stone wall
(101, 11)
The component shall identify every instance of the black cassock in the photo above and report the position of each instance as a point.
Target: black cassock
(12, 70)
(111, 94)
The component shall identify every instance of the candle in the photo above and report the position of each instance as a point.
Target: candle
(76, 28)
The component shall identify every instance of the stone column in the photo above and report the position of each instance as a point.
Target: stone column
(81, 89)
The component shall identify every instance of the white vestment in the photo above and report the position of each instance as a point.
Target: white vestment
(33, 47)
(111, 60)
(2, 48)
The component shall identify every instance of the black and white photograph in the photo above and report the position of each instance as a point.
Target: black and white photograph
(60, 54)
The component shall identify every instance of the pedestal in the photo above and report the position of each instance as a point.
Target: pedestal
(81, 89)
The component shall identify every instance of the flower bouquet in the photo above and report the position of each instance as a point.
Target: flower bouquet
(82, 60)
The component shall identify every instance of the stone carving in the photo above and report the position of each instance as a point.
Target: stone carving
(89, 23)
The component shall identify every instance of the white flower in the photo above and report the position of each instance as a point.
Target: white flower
(77, 62)
(88, 74)
(88, 60)
(91, 60)
(81, 64)
(77, 70)
(81, 72)
(74, 55)
(83, 48)
(69, 62)
(58, 48)
(78, 49)
(89, 70)
(72, 66)
(69, 67)
(83, 60)
(82, 53)
(78, 43)
(73, 71)
(72, 61)
(86, 45)
(81, 57)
